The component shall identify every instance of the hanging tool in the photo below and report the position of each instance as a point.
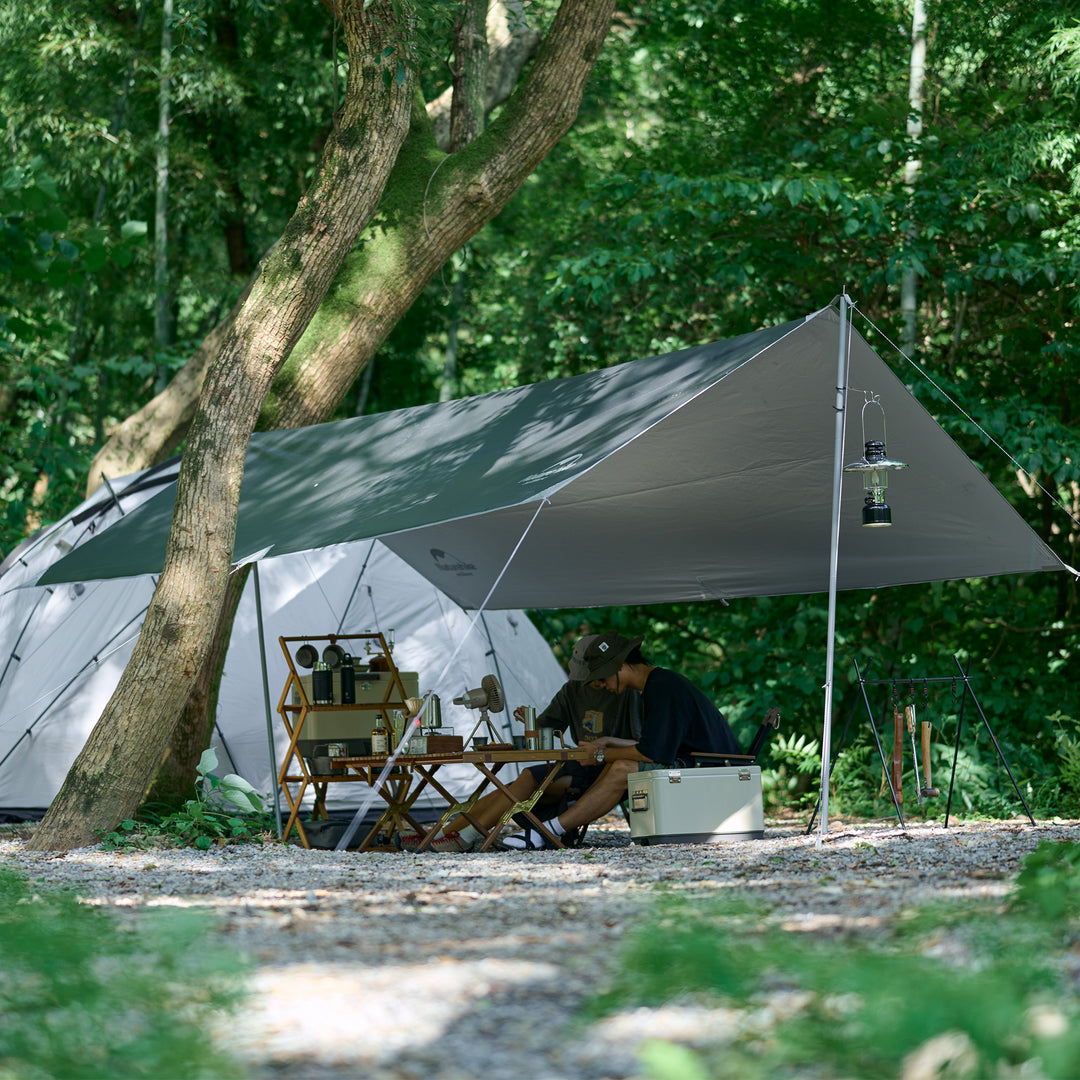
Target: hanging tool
(898, 754)
(909, 716)
(928, 789)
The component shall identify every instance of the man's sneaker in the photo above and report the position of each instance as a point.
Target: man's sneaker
(447, 841)
(529, 840)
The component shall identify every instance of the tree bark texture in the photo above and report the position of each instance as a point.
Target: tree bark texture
(114, 768)
(433, 204)
(470, 74)
(391, 266)
(172, 784)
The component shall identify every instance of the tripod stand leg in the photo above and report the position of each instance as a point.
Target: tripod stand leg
(993, 739)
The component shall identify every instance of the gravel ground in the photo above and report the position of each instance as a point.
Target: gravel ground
(399, 966)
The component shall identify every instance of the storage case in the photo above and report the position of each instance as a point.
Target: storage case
(696, 806)
(351, 726)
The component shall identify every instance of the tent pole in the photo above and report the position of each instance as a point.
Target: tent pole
(843, 353)
(266, 701)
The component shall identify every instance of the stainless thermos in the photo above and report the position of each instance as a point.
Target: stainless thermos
(322, 683)
(348, 681)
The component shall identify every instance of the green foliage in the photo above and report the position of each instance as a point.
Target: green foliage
(43, 256)
(202, 822)
(790, 780)
(733, 165)
(83, 998)
(1049, 884)
(1064, 793)
(853, 1008)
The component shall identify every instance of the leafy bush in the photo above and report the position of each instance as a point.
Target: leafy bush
(82, 997)
(202, 821)
(1049, 882)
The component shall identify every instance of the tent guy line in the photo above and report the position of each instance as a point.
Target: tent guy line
(967, 416)
(368, 797)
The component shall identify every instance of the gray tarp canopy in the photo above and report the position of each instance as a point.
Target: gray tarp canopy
(701, 474)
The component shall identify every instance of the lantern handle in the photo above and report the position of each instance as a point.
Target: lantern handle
(873, 399)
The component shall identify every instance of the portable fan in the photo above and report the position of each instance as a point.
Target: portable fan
(488, 699)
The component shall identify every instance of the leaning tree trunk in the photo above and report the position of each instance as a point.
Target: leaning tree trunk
(383, 277)
(172, 784)
(426, 215)
(114, 768)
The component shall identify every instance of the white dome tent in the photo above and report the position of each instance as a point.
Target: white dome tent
(63, 648)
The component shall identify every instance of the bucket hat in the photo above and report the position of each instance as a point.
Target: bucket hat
(606, 654)
(578, 671)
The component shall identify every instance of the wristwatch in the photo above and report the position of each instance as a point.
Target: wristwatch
(598, 755)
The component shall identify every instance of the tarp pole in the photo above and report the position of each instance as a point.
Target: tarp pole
(843, 353)
(266, 701)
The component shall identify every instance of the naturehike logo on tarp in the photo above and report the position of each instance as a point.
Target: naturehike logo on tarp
(551, 470)
(451, 564)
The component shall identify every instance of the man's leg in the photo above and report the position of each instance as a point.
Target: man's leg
(601, 796)
(494, 804)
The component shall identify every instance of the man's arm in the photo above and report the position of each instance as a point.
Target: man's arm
(614, 749)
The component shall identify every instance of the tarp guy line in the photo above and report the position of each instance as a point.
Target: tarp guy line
(369, 796)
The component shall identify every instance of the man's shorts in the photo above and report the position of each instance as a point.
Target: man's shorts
(581, 775)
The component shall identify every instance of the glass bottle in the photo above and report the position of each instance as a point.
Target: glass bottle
(380, 738)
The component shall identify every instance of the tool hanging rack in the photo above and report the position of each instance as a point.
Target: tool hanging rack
(963, 676)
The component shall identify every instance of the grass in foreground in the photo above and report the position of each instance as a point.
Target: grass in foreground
(958, 992)
(83, 998)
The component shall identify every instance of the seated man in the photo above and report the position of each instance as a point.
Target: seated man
(589, 713)
(678, 720)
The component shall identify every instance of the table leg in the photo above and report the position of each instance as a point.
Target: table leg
(523, 807)
(454, 807)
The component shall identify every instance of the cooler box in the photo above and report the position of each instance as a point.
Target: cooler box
(696, 806)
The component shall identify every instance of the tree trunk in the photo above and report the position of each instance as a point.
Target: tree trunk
(393, 266)
(161, 202)
(426, 215)
(173, 782)
(470, 74)
(910, 281)
(114, 768)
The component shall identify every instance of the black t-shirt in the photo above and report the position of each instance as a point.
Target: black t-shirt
(678, 720)
(590, 713)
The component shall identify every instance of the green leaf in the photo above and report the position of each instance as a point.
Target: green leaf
(207, 762)
(133, 230)
(95, 258)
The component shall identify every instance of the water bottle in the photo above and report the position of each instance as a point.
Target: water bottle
(348, 681)
(322, 683)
